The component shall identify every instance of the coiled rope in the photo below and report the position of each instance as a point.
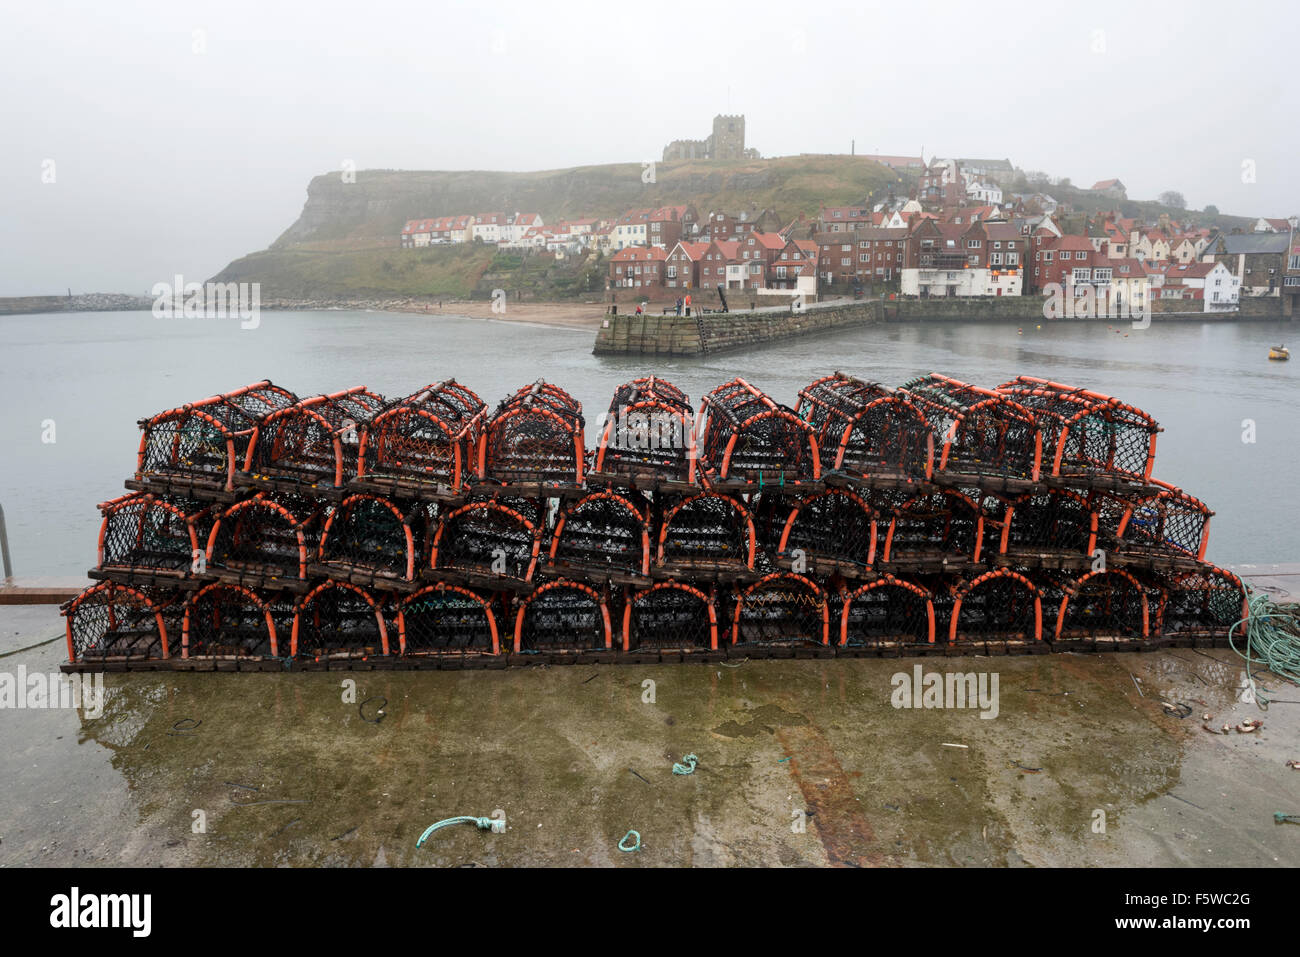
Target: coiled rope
(1272, 634)
(687, 766)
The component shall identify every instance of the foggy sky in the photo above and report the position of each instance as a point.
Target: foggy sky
(167, 160)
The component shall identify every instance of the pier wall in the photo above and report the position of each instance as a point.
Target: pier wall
(674, 335)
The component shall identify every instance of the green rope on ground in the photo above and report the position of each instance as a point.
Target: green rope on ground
(688, 765)
(1280, 818)
(635, 847)
(483, 824)
(1272, 635)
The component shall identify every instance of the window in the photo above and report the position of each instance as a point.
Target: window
(974, 260)
(864, 257)
(997, 244)
(995, 259)
(1047, 255)
(847, 247)
(1013, 259)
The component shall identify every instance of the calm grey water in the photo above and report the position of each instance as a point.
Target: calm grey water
(95, 374)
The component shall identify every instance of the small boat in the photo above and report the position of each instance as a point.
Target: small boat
(1278, 352)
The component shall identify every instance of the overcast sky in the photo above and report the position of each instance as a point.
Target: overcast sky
(182, 135)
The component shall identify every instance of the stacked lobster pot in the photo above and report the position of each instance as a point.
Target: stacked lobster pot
(263, 531)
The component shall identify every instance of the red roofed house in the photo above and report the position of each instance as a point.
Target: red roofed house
(637, 267)
(416, 232)
(682, 267)
(713, 264)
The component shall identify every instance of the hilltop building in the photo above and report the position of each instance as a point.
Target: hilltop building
(726, 142)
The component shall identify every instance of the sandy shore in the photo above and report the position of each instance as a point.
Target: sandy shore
(577, 314)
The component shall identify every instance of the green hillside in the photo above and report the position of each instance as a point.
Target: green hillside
(345, 242)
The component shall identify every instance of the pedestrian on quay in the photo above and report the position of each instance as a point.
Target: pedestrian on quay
(679, 305)
(687, 302)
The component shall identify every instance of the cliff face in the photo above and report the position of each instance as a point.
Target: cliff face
(345, 241)
(378, 202)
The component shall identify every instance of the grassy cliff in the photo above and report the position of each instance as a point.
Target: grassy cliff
(345, 242)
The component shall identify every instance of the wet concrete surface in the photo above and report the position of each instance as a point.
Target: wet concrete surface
(801, 762)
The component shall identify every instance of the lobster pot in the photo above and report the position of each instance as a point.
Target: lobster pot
(313, 442)
(708, 532)
(1053, 523)
(151, 535)
(932, 527)
(563, 616)
(670, 615)
(112, 621)
(197, 448)
(1111, 603)
(888, 610)
(649, 433)
(1085, 433)
(261, 541)
(424, 440)
(1158, 522)
(830, 531)
(603, 533)
(535, 436)
(230, 621)
(486, 538)
(981, 432)
(1204, 603)
(750, 439)
(999, 605)
(339, 620)
(867, 430)
(446, 619)
(369, 539)
(781, 609)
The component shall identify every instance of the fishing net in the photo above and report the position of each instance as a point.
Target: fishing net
(337, 619)
(116, 621)
(670, 615)
(1085, 432)
(206, 441)
(230, 620)
(152, 533)
(782, 609)
(981, 432)
(998, 605)
(602, 532)
(750, 438)
(313, 441)
(710, 530)
(563, 616)
(536, 436)
(884, 611)
(866, 429)
(263, 538)
(487, 538)
(445, 618)
(429, 437)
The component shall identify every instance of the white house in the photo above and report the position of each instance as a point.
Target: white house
(487, 227)
(984, 194)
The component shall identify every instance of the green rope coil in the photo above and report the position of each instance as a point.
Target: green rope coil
(482, 823)
(1272, 641)
(688, 765)
(636, 846)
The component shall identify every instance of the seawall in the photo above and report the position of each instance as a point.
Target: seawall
(674, 335)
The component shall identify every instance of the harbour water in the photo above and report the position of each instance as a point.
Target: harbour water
(72, 387)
